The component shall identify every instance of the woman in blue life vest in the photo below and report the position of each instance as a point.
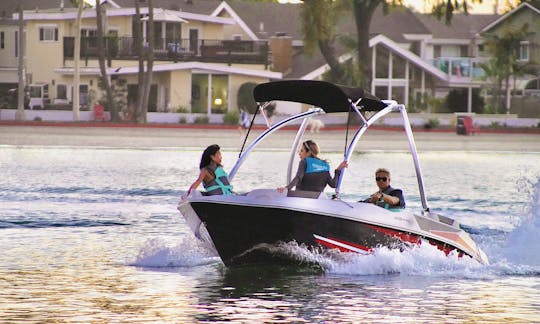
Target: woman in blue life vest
(313, 173)
(214, 179)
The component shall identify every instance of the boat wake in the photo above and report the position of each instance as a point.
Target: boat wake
(156, 253)
(423, 259)
(519, 254)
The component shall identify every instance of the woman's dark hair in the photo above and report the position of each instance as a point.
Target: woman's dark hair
(205, 158)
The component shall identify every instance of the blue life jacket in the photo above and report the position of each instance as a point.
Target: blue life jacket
(314, 165)
(220, 184)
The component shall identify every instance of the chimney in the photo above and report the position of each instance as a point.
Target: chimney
(61, 5)
(282, 53)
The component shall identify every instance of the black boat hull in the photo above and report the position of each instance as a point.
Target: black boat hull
(242, 233)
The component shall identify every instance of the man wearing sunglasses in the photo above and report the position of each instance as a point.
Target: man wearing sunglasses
(386, 197)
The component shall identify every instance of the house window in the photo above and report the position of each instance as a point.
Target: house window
(523, 51)
(209, 93)
(89, 37)
(61, 91)
(2, 39)
(48, 34)
(83, 94)
(437, 51)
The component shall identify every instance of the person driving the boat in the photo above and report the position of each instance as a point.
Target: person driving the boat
(214, 179)
(313, 173)
(386, 197)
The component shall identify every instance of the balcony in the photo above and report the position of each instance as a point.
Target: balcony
(175, 50)
(460, 67)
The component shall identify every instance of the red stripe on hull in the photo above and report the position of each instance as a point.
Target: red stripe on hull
(414, 239)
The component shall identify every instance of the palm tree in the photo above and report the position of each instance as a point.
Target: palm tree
(504, 49)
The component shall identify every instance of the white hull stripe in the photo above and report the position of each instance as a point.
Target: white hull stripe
(340, 244)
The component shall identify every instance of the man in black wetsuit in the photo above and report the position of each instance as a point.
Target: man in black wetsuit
(386, 197)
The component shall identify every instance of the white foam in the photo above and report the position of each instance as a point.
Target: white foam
(189, 252)
(523, 242)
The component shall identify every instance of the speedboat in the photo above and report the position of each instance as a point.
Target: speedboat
(240, 226)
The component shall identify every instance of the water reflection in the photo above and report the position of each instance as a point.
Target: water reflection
(88, 237)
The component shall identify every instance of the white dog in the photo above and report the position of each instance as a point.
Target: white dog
(315, 125)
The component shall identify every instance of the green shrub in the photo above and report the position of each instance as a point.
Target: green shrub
(456, 101)
(201, 120)
(431, 123)
(182, 110)
(231, 117)
(245, 97)
(182, 120)
(494, 124)
(38, 119)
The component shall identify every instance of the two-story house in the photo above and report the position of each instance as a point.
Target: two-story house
(196, 69)
(206, 49)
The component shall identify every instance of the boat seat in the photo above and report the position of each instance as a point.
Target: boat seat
(307, 194)
(265, 194)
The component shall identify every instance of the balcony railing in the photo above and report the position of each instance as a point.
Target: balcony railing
(460, 67)
(218, 51)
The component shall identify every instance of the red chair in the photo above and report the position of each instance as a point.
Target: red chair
(99, 113)
(465, 126)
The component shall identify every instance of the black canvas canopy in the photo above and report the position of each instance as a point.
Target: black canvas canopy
(328, 96)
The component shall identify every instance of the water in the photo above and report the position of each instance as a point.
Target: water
(93, 235)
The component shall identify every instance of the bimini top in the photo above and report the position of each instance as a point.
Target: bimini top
(328, 96)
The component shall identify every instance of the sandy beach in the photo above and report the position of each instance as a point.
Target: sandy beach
(229, 138)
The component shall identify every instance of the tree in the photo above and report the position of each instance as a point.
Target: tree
(327, 14)
(145, 52)
(104, 83)
(245, 97)
(504, 64)
(319, 30)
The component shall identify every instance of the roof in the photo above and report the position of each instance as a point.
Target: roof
(266, 19)
(533, 5)
(409, 56)
(386, 24)
(463, 26)
(328, 96)
(8, 7)
(175, 67)
(203, 7)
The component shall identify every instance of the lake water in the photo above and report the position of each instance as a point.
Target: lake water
(93, 235)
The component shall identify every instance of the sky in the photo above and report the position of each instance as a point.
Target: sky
(487, 6)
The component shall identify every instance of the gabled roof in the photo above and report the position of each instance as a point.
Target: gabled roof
(264, 19)
(462, 26)
(8, 7)
(533, 5)
(407, 55)
(405, 18)
(204, 7)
